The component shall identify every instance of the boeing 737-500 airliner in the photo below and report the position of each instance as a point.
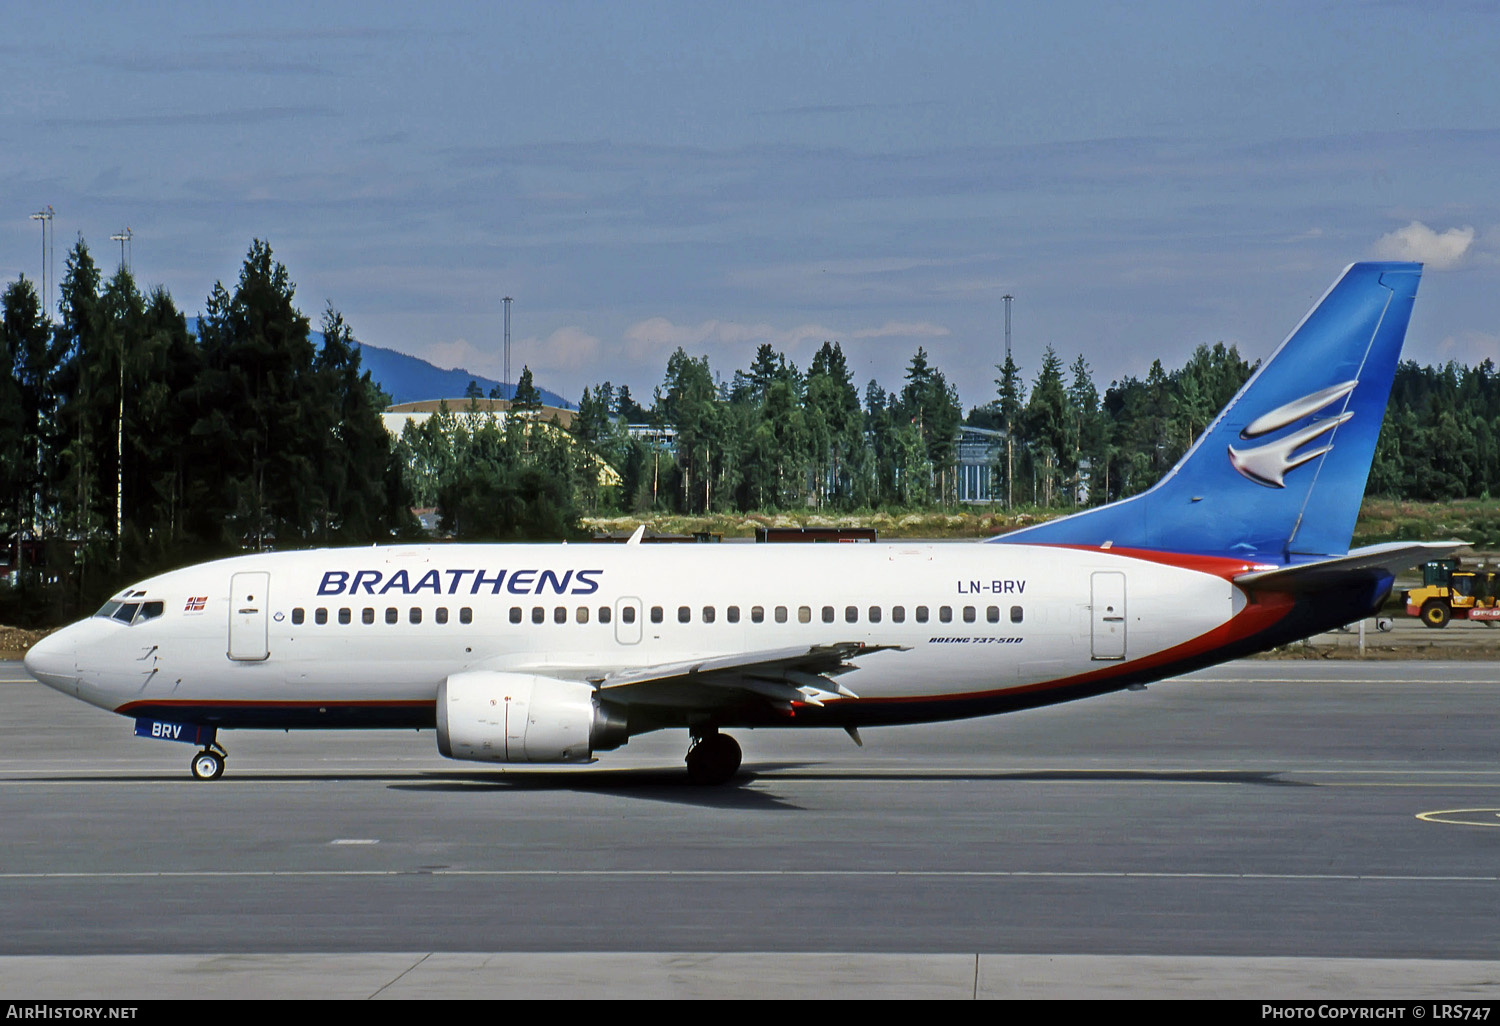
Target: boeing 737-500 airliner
(551, 653)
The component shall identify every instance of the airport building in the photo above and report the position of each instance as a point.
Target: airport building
(398, 416)
(979, 453)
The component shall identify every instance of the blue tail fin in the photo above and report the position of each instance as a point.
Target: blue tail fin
(1279, 476)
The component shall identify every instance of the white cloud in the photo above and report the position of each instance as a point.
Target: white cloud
(461, 353)
(1439, 251)
(568, 348)
(1470, 348)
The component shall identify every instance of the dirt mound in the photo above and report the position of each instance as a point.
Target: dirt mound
(14, 641)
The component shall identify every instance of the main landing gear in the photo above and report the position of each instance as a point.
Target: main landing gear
(712, 758)
(209, 763)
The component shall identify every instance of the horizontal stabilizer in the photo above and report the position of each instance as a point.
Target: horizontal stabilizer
(1386, 559)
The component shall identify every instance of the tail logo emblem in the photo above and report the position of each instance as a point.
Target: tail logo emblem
(1269, 464)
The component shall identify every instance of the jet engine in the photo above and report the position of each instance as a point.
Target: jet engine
(490, 716)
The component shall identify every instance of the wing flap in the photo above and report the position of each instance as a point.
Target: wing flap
(781, 676)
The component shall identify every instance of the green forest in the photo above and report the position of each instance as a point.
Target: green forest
(129, 444)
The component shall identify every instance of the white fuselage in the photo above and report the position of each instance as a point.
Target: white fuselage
(388, 625)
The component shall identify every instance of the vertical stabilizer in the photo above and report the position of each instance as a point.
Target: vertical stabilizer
(1279, 475)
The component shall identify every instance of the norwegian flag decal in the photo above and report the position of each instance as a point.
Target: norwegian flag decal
(196, 604)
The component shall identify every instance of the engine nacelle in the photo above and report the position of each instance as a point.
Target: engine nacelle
(520, 717)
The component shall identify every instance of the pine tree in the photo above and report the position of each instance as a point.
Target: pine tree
(835, 424)
(356, 460)
(1088, 428)
(26, 369)
(526, 397)
(932, 406)
(83, 384)
(1049, 425)
(688, 402)
(166, 461)
(1009, 404)
(627, 408)
(254, 394)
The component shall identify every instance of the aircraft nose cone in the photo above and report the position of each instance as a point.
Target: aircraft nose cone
(52, 661)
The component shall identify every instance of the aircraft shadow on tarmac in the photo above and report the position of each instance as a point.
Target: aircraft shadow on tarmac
(1264, 778)
(670, 784)
(663, 785)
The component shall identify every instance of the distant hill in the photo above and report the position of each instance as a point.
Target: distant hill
(408, 379)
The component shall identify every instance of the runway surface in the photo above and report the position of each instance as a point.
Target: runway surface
(1313, 825)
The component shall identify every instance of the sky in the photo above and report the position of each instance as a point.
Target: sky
(1142, 177)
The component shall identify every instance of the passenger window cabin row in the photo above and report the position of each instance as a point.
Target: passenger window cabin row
(392, 615)
(850, 614)
(708, 614)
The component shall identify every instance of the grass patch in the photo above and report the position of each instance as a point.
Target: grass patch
(1380, 520)
(1476, 521)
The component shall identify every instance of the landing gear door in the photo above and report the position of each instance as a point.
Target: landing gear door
(628, 621)
(1108, 611)
(249, 609)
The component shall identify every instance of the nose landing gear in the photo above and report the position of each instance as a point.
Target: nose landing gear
(712, 758)
(209, 763)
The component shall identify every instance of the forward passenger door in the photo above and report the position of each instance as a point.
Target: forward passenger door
(249, 615)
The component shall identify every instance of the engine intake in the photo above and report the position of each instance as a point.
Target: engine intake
(489, 716)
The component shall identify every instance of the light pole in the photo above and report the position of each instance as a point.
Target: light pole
(506, 301)
(123, 238)
(45, 216)
(1009, 427)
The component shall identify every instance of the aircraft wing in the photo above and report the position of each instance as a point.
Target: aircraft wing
(1388, 558)
(801, 674)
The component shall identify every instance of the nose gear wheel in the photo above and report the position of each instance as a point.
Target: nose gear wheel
(208, 764)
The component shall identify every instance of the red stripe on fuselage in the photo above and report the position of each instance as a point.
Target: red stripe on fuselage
(1263, 611)
(1216, 566)
(234, 703)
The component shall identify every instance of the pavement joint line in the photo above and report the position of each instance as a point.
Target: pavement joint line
(714, 873)
(400, 976)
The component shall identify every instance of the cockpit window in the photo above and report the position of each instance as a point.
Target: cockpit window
(131, 612)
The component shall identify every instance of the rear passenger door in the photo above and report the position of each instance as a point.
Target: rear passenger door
(1108, 632)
